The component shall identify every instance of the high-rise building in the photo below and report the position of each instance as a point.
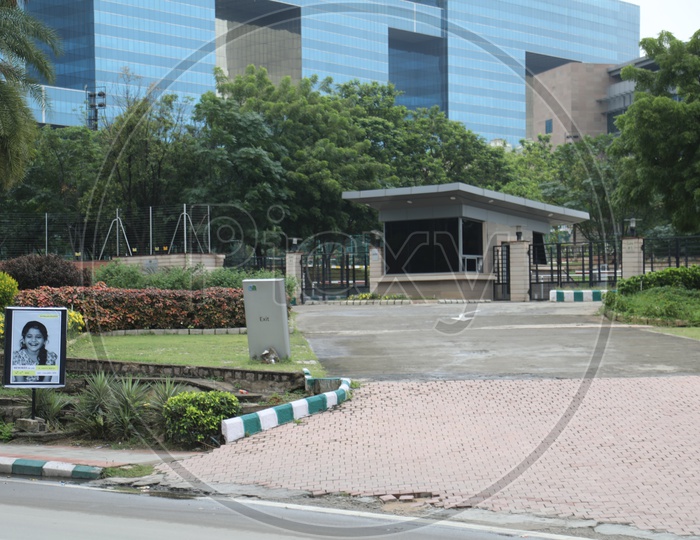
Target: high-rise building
(472, 58)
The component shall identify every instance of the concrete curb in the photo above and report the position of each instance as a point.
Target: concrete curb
(50, 469)
(249, 424)
(577, 296)
(310, 302)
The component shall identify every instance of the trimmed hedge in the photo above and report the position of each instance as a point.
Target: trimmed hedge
(685, 278)
(106, 309)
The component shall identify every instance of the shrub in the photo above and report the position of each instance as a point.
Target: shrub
(50, 405)
(197, 278)
(87, 277)
(161, 392)
(8, 290)
(193, 418)
(5, 431)
(661, 303)
(32, 271)
(76, 324)
(111, 408)
(94, 404)
(127, 417)
(120, 275)
(188, 279)
(686, 278)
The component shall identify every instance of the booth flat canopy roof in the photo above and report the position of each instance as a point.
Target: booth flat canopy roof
(457, 193)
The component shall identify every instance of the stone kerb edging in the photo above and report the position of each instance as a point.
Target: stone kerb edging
(577, 296)
(52, 469)
(248, 424)
(393, 302)
(174, 331)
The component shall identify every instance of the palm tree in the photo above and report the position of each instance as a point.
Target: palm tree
(21, 40)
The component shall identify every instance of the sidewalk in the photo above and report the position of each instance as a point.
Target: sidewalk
(93, 456)
(628, 452)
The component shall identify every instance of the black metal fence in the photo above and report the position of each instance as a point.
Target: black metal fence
(661, 253)
(329, 276)
(582, 265)
(501, 271)
(272, 264)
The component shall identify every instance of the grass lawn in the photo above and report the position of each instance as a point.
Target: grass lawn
(692, 333)
(191, 350)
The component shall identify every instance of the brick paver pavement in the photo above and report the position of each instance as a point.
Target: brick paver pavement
(629, 454)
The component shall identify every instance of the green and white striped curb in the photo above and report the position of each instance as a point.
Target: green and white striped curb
(577, 296)
(52, 469)
(248, 424)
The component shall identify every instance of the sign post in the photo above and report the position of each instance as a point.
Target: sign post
(35, 349)
(266, 317)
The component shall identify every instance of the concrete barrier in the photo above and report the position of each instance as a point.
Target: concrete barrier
(576, 296)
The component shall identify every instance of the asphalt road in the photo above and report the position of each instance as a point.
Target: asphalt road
(504, 339)
(38, 510)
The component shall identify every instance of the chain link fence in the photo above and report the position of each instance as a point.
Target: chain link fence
(225, 229)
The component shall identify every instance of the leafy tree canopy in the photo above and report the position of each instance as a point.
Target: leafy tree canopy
(660, 132)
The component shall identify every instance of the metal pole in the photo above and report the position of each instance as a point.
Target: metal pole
(184, 228)
(209, 228)
(46, 233)
(150, 230)
(117, 231)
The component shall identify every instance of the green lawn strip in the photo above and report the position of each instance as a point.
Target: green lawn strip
(692, 333)
(127, 471)
(226, 350)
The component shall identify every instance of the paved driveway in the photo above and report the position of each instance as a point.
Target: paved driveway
(497, 416)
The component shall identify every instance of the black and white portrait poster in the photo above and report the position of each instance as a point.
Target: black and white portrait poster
(35, 347)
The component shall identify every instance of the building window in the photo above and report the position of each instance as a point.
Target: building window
(418, 68)
(548, 128)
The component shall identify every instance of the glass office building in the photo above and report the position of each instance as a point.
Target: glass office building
(124, 48)
(472, 58)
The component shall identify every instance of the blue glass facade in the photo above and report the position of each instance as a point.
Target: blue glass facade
(470, 57)
(166, 45)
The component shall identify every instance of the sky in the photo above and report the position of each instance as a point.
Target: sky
(680, 17)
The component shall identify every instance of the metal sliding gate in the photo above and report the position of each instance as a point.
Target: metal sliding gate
(573, 266)
(334, 276)
(501, 270)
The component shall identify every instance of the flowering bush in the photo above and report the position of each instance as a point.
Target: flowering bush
(105, 309)
(8, 290)
(76, 323)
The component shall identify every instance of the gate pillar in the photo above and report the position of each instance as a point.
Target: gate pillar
(632, 257)
(294, 270)
(519, 272)
(377, 269)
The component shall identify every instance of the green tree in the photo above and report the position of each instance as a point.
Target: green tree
(141, 153)
(659, 141)
(321, 147)
(586, 178)
(64, 167)
(21, 56)
(533, 165)
(236, 165)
